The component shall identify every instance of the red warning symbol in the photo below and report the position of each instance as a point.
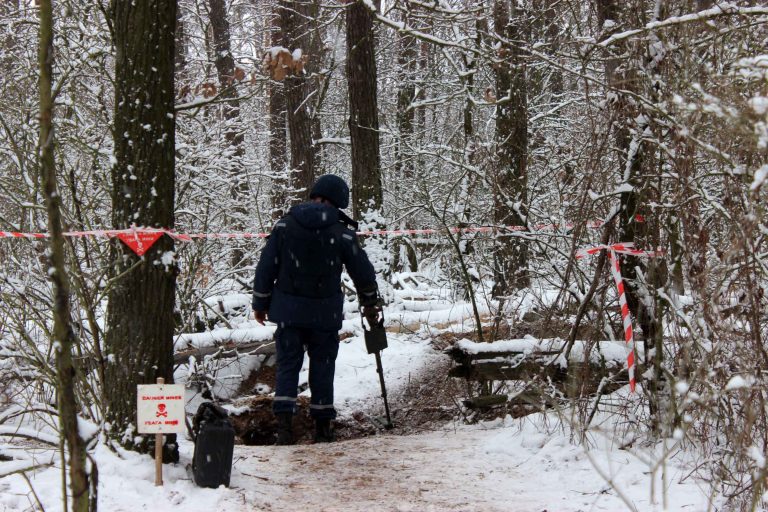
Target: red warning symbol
(140, 241)
(161, 411)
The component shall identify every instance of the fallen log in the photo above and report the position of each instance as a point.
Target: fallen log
(591, 368)
(485, 401)
(507, 369)
(489, 401)
(228, 349)
(464, 356)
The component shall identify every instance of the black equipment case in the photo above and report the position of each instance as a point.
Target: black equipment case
(214, 444)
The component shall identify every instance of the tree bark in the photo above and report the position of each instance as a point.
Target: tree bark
(180, 50)
(6, 56)
(638, 170)
(405, 159)
(406, 66)
(545, 79)
(510, 194)
(140, 314)
(226, 70)
(296, 21)
(363, 110)
(278, 137)
(64, 336)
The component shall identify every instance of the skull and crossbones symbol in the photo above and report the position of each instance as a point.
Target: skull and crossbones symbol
(161, 411)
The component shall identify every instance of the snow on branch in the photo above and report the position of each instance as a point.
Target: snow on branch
(719, 10)
(28, 433)
(22, 466)
(438, 41)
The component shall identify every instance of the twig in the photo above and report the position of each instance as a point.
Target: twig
(34, 493)
(32, 467)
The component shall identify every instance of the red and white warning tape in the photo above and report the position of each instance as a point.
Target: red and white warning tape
(141, 239)
(625, 248)
(626, 315)
(186, 237)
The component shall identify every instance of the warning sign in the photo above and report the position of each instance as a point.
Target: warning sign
(140, 241)
(160, 408)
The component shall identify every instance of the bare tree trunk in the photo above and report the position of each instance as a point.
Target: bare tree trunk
(404, 155)
(545, 79)
(64, 335)
(180, 49)
(313, 67)
(6, 56)
(406, 65)
(226, 70)
(278, 146)
(140, 314)
(629, 162)
(510, 194)
(295, 17)
(227, 74)
(278, 137)
(363, 110)
(641, 173)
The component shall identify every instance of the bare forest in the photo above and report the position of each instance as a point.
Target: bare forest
(517, 156)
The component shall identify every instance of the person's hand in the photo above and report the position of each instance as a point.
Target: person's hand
(371, 313)
(260, 316)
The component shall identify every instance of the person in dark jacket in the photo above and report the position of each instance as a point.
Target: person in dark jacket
(298, 286)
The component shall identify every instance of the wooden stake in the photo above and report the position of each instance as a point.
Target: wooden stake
(159, 451)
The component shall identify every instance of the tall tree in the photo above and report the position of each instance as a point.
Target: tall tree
(140, 314)
(64, 335)
(363, 109)
(296, 18)
(629, 124)
(228, 76)
(278, 141)
(511, 180)
(405, 116)
(6, 41)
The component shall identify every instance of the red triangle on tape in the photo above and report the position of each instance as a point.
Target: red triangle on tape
(140, 241)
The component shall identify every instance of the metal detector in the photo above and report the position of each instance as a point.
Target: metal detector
(375, 342)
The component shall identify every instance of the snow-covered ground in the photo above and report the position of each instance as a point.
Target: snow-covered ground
(507, 465)
(528, 464)
(500, 466)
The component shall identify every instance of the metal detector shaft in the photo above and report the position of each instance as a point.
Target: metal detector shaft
(375, 342)
(380, 371)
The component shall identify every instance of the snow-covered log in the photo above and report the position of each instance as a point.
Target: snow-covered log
(590, 367)
(225, 350)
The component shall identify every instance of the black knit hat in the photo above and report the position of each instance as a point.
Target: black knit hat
(333, 189)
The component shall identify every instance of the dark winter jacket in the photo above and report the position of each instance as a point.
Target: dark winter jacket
(298, 277)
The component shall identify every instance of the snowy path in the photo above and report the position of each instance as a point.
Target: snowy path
(396, 473)
(470, 469)
(509, 466)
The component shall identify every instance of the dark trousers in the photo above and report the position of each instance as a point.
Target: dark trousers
(322, 347)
